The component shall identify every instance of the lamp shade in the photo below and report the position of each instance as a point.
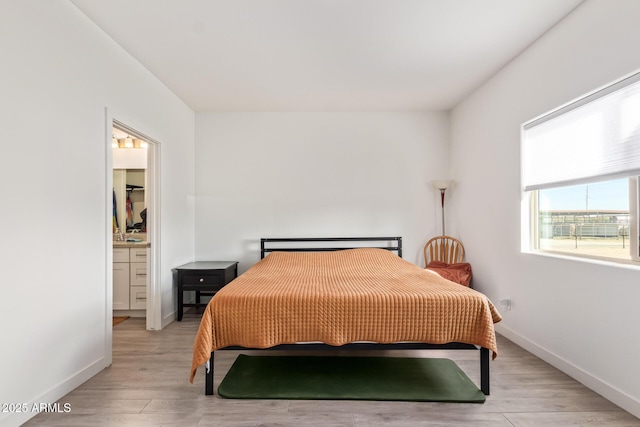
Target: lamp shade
(442, 184)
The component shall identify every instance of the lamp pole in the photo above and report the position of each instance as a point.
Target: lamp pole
(442, 191)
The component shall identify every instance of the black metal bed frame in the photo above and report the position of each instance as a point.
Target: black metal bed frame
(397, 247)
(264, 242)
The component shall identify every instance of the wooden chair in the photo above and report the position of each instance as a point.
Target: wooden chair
(445, 249)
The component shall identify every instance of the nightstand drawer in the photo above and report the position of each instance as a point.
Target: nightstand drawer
(207, 279)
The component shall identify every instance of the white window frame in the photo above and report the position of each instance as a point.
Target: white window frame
(634, 226)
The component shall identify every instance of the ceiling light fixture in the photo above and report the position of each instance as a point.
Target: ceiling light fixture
(128, 142)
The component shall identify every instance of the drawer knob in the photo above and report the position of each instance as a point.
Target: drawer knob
(202, 279)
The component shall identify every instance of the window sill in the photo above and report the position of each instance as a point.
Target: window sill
(592, 259)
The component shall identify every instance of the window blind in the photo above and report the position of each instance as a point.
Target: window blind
(594, 138)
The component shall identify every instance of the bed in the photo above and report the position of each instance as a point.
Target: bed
(355, 293)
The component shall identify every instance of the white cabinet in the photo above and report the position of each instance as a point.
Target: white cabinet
(129, 278)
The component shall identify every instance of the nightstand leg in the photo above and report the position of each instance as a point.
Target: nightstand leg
(180, 302)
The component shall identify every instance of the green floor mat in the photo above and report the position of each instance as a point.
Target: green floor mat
(355, 378)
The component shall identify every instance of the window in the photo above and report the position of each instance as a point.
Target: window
(580, 167)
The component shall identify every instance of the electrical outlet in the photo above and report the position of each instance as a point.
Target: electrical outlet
(506, 302)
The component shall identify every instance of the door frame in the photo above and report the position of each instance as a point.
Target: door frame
(152, 196)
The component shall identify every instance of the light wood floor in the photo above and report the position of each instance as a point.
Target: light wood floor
(148, 385)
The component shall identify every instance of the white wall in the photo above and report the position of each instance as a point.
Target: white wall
(316, 174)
(59, 73)
(582, 317)
(129, 158)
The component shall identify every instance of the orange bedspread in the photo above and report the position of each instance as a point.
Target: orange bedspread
(342, 297)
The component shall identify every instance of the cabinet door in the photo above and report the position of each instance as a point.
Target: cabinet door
(138, 274)
(121, 286)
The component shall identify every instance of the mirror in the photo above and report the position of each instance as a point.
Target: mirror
(129, 200)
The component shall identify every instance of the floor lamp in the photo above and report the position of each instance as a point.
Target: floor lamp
(442, 185)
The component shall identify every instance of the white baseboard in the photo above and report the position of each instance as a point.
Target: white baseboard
(168, 319)
(55, 394)
(606, 390)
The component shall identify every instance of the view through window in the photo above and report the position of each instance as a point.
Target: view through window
(587, 219)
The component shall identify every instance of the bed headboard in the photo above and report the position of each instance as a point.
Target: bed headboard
(317, 244)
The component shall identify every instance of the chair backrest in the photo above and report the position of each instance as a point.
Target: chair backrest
(444, 249)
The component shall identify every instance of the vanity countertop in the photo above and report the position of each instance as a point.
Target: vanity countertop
(143, 244)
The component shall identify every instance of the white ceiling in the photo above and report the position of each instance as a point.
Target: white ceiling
(324, 55)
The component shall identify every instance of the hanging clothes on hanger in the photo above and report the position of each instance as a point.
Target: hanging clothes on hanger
(115, 212)
(129, 210)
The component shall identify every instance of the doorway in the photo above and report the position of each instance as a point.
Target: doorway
(139, 227)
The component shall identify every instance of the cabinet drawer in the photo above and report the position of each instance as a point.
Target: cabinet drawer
(209, 280)
(138, 298)
(138, 255)
(138, 274)
(121, 255)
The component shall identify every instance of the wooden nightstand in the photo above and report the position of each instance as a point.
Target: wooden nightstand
(203, 277)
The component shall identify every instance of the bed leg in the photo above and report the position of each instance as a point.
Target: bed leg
(208, 377)
(484, 370)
